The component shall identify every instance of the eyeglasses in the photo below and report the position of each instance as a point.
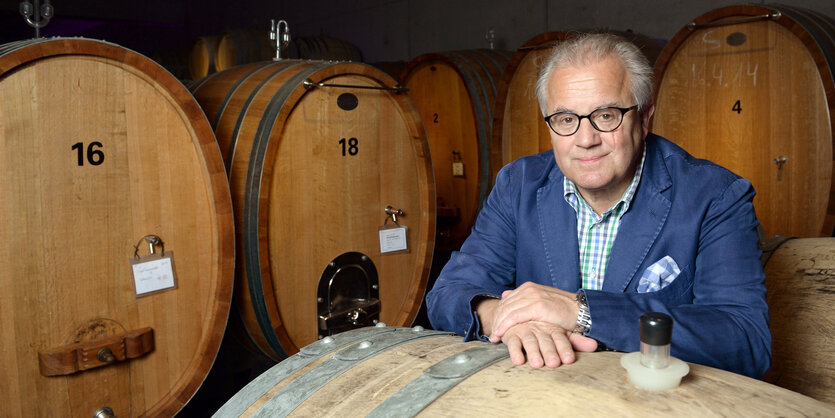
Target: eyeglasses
(605, 119)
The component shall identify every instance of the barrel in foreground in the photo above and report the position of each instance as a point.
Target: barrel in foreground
(110, 174)
(407, 372)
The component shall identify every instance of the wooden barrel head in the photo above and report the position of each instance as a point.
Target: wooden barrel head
(518, 125)
(203, 56)
(404, 372)
(749, 87)
(800, 278)
(455, 93)
(312, 170)
(103, 147)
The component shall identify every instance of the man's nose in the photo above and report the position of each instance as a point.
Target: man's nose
(587, 136)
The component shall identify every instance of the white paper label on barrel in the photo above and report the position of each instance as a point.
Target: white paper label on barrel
(393, 239)
(153, 273)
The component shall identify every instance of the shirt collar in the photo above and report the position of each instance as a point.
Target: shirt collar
(572, 197)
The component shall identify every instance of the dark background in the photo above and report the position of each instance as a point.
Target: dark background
(384, 30)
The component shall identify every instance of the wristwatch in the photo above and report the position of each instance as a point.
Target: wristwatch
(583, 317)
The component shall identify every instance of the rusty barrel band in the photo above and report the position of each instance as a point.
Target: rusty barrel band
(242, 113)
(286, 400)
(263, 383)
(439, 379)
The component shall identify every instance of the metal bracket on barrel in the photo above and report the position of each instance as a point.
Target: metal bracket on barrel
(770, 16)
(310, 85)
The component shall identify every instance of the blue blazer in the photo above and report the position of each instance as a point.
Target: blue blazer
(694, 211)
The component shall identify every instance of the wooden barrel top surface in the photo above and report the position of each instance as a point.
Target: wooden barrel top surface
(71, 219)
(800, 278)
(455, 92)
(595, 385)
(756, 95)
(310, 181)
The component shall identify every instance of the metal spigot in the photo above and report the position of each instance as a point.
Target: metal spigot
(281, 38)
(37, 19)
(491, 38)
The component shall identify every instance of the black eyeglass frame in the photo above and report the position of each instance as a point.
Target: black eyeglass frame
(623, 111)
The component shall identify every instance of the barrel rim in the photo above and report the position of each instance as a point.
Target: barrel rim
(795, 27)
(206, 148)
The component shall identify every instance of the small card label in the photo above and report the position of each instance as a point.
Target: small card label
(153, 273)
(393, 239)
(458, 169)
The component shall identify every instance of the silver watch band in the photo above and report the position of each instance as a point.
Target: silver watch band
(583, 316)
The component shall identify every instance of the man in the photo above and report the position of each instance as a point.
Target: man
(571, 247)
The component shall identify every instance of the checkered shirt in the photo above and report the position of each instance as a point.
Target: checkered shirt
(596, 233)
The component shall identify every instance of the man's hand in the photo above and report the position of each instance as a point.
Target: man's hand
(532, 302)
(545, 344)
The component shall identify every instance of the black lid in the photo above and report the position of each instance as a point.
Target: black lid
(656, 328)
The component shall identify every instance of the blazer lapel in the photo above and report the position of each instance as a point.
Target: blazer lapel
(558, 225)
(641, 225)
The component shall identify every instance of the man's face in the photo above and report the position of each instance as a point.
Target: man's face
(601, 164)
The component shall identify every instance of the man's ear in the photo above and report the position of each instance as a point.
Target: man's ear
(646, 115)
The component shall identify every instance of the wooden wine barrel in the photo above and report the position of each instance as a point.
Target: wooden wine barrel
(324, 48)
(383, 372)
(518, 126)
(246, 46)
(752, 88)
(103, 148)
(455, 92)
(202, 58)
(312, 170)
(800, 278)
(243, 46)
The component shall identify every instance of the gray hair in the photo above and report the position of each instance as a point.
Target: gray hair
(590, 48)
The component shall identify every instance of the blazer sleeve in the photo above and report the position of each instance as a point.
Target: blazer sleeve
(485, 264)
(718, 307)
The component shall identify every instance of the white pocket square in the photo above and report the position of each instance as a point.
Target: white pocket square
(658, 275)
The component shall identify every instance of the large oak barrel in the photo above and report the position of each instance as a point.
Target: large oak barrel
(455, 92)
(107, 158)
(385, 372)
(518, 125)
(752, 88)
(316, 151)
(800, 278)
